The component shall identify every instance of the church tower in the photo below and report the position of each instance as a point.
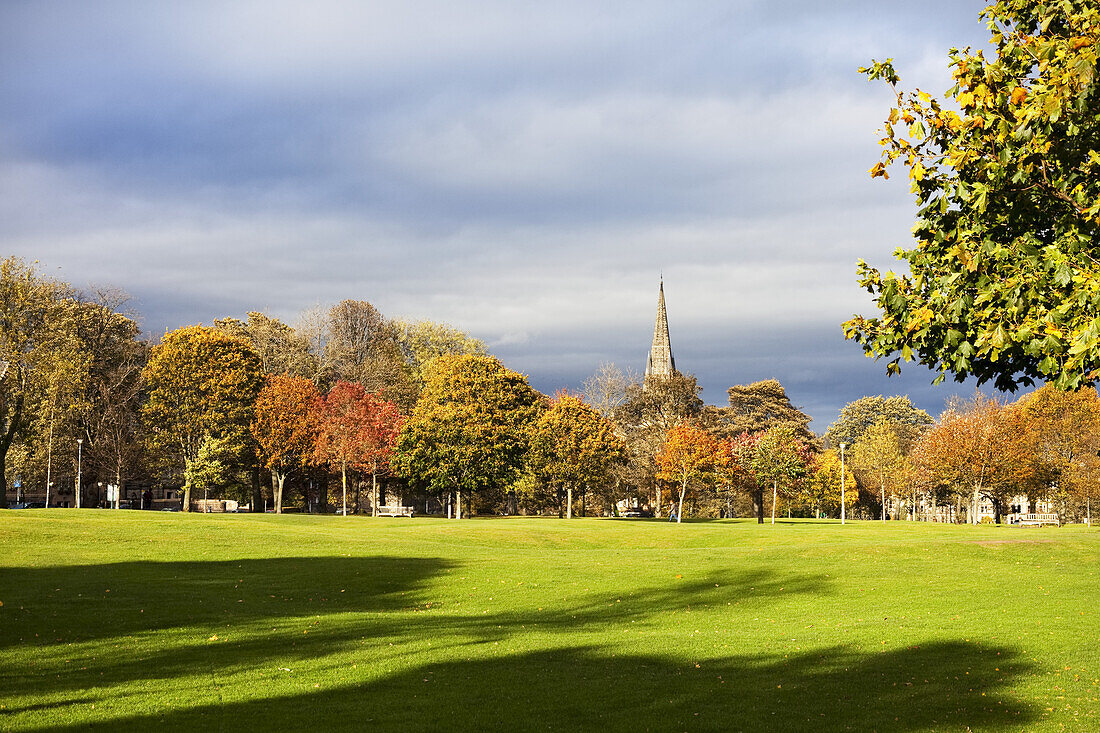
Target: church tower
(660, 364)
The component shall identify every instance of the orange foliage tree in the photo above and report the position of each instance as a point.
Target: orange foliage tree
(984, 448)
(285, 428)
(383, 425)
(342, 419)
(688, 455)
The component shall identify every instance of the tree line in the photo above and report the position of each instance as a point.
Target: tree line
(347, 407)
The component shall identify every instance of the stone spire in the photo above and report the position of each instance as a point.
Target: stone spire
(660, 364)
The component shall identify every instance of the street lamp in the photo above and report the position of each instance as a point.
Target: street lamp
(79, 457)
(842, 502)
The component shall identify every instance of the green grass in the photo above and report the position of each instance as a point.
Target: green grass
(133, 620)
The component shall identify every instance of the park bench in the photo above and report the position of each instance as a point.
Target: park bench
(1039, 519)
(395, 511)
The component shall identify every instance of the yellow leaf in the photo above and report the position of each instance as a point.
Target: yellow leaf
(1018, 95)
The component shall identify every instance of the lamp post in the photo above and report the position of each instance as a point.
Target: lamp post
(79, 458)
(842, 502)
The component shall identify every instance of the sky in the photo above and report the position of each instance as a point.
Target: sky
(524, 171)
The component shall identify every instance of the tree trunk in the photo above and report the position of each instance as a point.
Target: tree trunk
(5, 444)
(277, 479)
(882, 491)
(458, 504)
(344, 486)
(569, 502)
(680, 508)
(257, 490)
(657, 512)
(758, 500)
(775, 493)
(374, 492)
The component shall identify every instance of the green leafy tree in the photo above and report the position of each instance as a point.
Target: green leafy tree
(202, 385)
(857, 416)
(1003, 281)
(779, 457)
(574, 446)
(470, 429)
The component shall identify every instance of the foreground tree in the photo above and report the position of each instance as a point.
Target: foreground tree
(469, 431)
(574, 446)
(202, 385)
(687, 456)
(285, 428)
(1003, 280)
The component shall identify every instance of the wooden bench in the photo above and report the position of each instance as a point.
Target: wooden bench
(1040, 519)
(395, 511)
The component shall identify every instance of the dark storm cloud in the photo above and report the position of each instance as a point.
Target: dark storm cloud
(522, 170)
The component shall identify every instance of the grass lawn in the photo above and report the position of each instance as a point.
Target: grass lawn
(142, 620)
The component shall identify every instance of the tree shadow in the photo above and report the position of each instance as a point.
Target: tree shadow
(80, 603)
(316, 607)
(940, 685)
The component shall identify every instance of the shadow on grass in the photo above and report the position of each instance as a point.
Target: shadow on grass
(943, 685)
(73, 604)
(489, 676)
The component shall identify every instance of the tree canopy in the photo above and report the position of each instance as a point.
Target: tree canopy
(202, 386)
(469, 431)
(1004, 280)
(859, 415)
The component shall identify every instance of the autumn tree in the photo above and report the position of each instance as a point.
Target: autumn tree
(470, 429)
(877, 455)
(821, 489)
(760, 406)
(422, 341)
(202, 385)
(982, 448)
(687, 456)
(41, 362)
(107, 415)
(1066, 429)
(778, 457)
(362, 346)
(1002, 283)
(648, 411)
(856, 417)
(285, 428)
(379, 440)
(282, 350)
(342, 418)
(574, 446)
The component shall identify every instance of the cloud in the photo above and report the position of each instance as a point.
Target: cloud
(521, 170)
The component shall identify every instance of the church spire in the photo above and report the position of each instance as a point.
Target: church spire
(660, 364)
